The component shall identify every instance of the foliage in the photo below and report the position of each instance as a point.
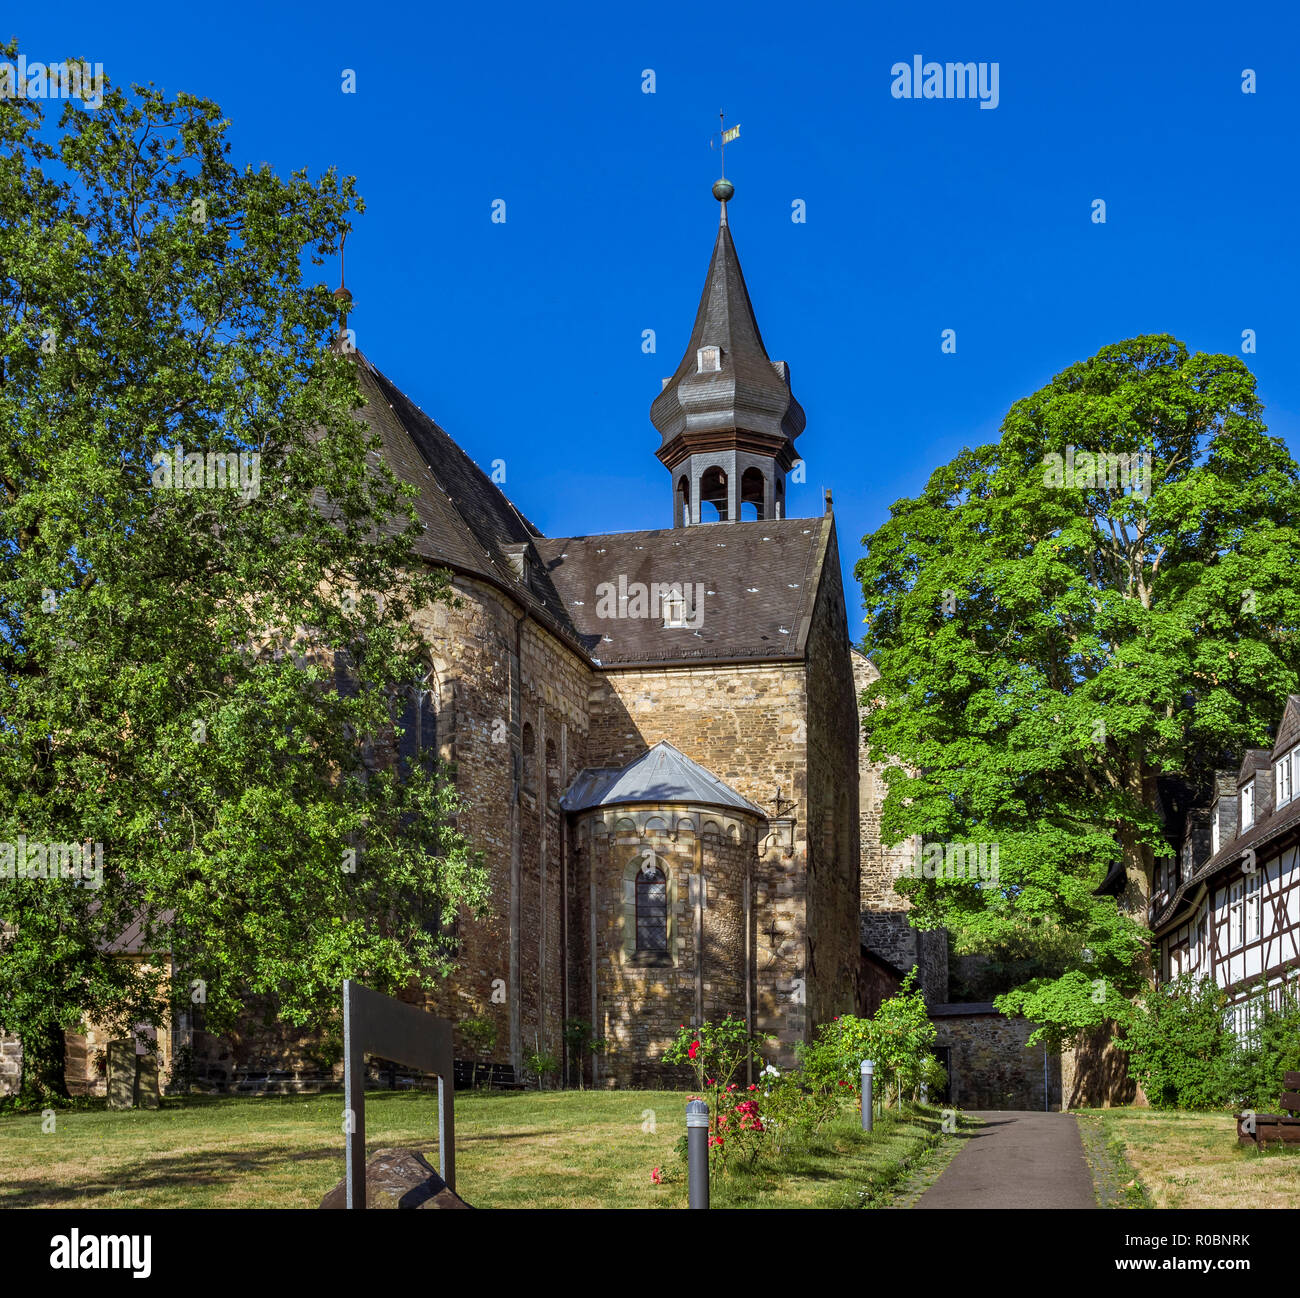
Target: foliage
(793, 1110)
(169, 657)
(1254, 1068)
(542, 1064)
(716, 1051)
(1177, 1043)
(1051, 652)
(481, 1033)
(897, 1039)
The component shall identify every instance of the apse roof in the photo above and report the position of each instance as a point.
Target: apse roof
(663, 775)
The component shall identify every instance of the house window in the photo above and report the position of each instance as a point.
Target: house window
(651, 908)
(708, 360)
(1236, 915)
(1254, 906)
(1282, 779)
(1247, 805)
(1187, 860)
(1214, 832)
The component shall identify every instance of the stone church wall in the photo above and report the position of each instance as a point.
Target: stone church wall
(642, 1000)
(884, 924)
(833, 947)
(748, 725)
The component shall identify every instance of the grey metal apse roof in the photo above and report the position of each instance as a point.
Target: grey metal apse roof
(664, 774)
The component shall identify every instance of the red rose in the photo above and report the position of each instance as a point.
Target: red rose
(695, 1046)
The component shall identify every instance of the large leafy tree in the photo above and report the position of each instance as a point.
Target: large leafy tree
(200, 680)
(1058, 650)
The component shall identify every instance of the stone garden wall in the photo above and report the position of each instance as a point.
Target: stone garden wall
(991, 1066)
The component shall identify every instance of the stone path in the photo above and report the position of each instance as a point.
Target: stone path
(1016, 1160)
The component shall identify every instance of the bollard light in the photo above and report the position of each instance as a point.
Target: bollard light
(697, 1153)
(868, 1069)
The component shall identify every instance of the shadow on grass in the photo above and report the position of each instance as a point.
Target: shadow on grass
(203, 1169)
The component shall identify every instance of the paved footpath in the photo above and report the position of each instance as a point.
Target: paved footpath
(1016, 1160)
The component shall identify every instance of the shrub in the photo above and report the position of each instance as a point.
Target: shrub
(1252, 1070)
(897, 1039)
(1177, 1044)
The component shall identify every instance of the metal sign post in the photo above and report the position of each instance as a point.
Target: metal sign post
(374, 1024)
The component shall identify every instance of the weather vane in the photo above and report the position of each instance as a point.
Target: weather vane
(723, 189)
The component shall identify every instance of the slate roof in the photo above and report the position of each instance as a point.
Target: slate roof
(1288, 729)
(759, 584)
(469, 524)
(664, 774)
(1275, 823)
(750, 391)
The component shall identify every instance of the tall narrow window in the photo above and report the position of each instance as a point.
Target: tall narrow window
(1215, 838)
(1254, 926)
(1236, 915)
(1247, 805)
(1282, 779)
(651, 908)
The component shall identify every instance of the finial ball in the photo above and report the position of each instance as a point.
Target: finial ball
(723, 189)
(343, 296)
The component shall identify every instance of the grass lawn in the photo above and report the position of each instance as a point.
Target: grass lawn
(1192, 1160)
(558, 1149)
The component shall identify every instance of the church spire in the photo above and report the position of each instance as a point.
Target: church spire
(727, 417)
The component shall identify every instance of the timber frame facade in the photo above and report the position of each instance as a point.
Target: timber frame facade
(1228, 905)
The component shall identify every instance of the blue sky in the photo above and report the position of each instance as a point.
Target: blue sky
(524, 339)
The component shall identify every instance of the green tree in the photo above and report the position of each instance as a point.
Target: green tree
(190, 676)
(1050, 650)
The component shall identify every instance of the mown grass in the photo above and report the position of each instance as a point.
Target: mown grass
(558, 1149)
(1192, 1160)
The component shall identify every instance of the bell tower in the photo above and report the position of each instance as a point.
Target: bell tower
(727, 417)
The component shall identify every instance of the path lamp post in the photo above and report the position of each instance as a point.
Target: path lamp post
(868, 1069)
(697, 1153)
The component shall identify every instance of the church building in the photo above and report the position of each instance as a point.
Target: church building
(654, 734)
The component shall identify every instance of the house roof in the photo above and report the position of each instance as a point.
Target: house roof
(1278, 821)
(1288, 729)
(758, 583)
(663, 775)
(759, 579)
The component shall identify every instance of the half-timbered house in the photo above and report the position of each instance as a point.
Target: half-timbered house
(1227, 906)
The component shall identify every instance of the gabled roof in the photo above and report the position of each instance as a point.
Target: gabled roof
(1288, 730)
(1255, 760)
(759, 584)
(663, 775)
(469, 524)
(749, 392)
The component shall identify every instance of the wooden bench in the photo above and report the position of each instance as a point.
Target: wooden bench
(1270, 1128)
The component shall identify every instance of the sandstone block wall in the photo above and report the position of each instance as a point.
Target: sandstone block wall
(991, 1066)
(834, 949)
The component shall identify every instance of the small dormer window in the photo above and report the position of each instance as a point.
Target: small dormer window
(708, 360)
(674, 606)
(1247, 805)
(1282, 778)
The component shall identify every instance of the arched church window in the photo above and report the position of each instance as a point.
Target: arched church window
(684, 501)
(713, 492)
(418, 741)
(651, 907)
(752, 492)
